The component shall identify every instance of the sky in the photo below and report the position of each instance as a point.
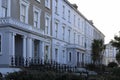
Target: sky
(104, 13)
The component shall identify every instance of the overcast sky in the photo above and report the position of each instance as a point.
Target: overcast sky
(104, 13)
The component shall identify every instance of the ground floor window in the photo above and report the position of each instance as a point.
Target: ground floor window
(70, 57)
(56, 54)
(0, 44)
(46, 52)
(36, 48)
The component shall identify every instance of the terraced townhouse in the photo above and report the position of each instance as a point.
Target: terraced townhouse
(25, 31)
(44, 30)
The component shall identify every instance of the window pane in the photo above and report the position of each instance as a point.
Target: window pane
(23, 10)
(0, 44)
(4, 12)
(35, 19)
(23, 13)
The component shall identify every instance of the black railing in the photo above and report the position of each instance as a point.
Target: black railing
(38, 63)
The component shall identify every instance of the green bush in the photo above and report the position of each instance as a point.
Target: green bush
(116, 71)
(0, 76)
(69, 76)
(91, 66)
(37, 75)
(112, 64)
(30, 75)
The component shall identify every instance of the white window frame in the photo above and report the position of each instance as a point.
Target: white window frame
(78, 22)
(69, 35)
(69, 14)
(74, 20)
(56, 6)
(47, 28)
(38, 10)
(6, 7)
(26, 4)
(47, 3)
(4, 11)
(56, 29)
(63, 12)
(63, 32)
(74, 37)
(1, 44)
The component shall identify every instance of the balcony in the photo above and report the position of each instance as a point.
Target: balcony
(19, 25)
(75, 46)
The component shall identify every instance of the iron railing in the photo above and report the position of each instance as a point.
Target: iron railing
(38, 63)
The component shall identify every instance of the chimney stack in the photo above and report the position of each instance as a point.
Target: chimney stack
(75, 6)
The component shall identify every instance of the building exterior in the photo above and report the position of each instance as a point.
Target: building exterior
(72, 34)
(109, 54)
(45, 30)
(25, 30)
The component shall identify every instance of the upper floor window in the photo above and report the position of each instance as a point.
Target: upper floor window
(68, 15)
(47, 24)
(63, 12)
(69, 32)
(56, 29)
(36, 12)
(47, 3)
(0, 44)
(78, 22)
(35, 19)
(4, 12)
(4, 8)
(63, 32)
(56, 6)
(74, 19)
(74, 37)
(78, 39)
(24, 11)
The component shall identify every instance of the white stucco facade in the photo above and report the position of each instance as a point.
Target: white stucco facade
(37, 30)
(74, 34)
(109, 54)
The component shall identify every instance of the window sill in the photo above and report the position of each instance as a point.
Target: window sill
(37, 1)
(47, 7)
(69, 22)
(56, 13)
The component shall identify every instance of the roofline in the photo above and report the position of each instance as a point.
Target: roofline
(82, 15)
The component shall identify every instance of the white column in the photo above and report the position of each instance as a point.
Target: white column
(24, 47)
(12, 48)
(24, 51)
(42, 49)
(13, 44)
(29, 47)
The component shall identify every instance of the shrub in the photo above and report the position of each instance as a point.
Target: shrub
(91, 66)
(37, 75)
(30, 75)
(0, 76)
(112, 64)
